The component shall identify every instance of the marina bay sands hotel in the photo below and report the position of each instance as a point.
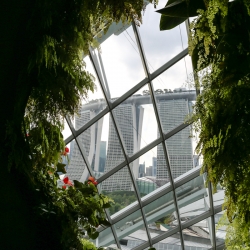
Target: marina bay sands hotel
(173, 107)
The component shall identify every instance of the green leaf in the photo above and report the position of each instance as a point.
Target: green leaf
(105, 223)
(176, 12)
(78, 184)
(168, 23)
(61, 167)
(94, 235)
(106, 205)
(182, 8)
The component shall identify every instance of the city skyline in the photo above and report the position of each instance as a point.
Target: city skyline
(129, 117)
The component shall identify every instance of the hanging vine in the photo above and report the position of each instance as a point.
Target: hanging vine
(219, 44)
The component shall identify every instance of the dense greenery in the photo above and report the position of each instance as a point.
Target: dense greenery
(43, 78)
(220, 48)
(121, 199)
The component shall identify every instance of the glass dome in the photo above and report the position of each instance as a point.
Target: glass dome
(132, 134)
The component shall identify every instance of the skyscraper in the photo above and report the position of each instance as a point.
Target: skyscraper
(154, 165)
(125, 116)
(141, 170)
(173, 113)
(89, 140)
(102, 157)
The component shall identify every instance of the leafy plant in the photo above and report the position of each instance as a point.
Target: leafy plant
(43, 79)
(220, 50)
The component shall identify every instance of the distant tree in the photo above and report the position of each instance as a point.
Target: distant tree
(146, 92)
(159, 91)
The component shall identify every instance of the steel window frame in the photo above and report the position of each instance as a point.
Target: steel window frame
(128, 159)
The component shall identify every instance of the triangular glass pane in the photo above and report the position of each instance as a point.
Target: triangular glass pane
(178, 78)
(160, 46)
(218, 196)
(120, 60)
(131, 231)
(101, 145)
(198, 235)
(181, 152)
(93, 104)
(192, 198)
(106, 239)
(174, 99)
(119, 187)
(161, 215)
(220, 232)
(66, 130)
(76, 168)
(136, 121)
(172, 242)
(144, 169)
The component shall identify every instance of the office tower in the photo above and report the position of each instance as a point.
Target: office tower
(173, 113)
(154, 165)
(77, 165)
(149, 171)
(125, 116)
(102, 157)
(141, 170)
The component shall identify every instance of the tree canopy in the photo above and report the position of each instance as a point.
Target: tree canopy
(220, 50)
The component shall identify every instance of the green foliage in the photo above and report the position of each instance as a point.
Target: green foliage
(220, 50)
(51, 83)
(121, 199)
(176, 12)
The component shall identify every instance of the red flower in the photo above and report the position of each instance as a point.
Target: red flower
(91, 178)
(64, 187)
(95, 183)
(66, 180)
(70, 183)
(66, 149)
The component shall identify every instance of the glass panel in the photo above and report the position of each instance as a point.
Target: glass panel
(178, 78)
(198, 236)
(218, 197)
(162, 174)
(102, 147)
(161, 215)
(171, 243)
(192, 198)
(136, 121)
(144, 169)
(220, 231)
(182, 157)
(131, 230)
(66, 131)
(106, 239)
(122, 63)
(93, 103)
(76, 168)
(119, 187)
(160, 46)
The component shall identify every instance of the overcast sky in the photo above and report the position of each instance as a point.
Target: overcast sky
(124, 68)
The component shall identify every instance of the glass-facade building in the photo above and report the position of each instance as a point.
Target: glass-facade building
(132, 134)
